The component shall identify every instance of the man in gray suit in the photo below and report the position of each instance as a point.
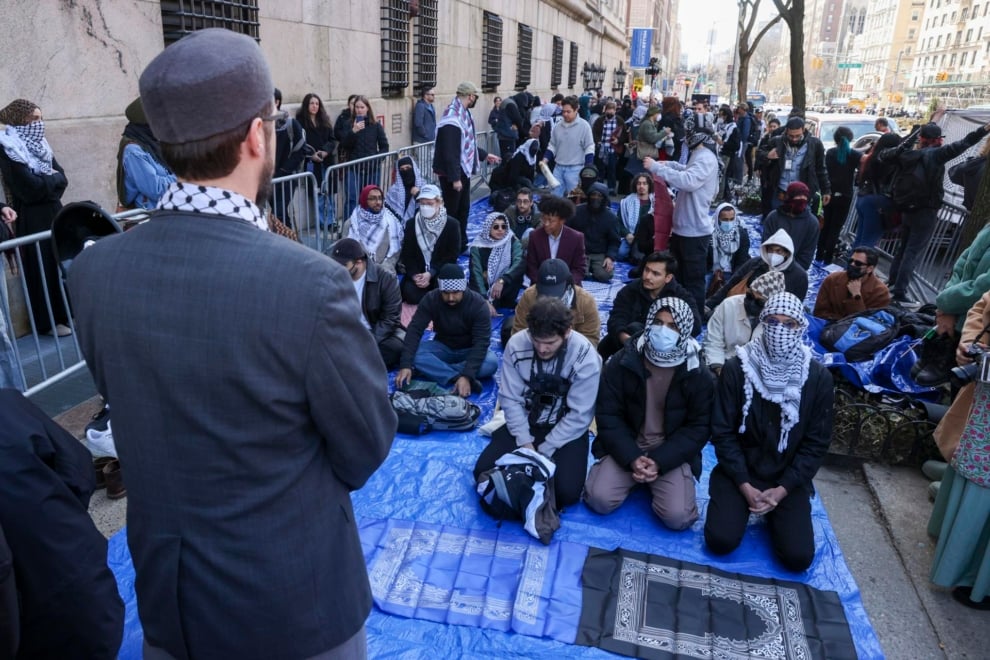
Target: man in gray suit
(244, 411)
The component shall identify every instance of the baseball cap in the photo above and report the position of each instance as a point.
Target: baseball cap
(347, 249)
(429, 191)
(553, 278)
(931, 131)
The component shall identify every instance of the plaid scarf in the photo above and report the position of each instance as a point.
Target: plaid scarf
(457, 114)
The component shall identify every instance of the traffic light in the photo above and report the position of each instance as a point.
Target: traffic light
(941, 76)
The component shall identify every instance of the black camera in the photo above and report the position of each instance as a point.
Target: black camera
(976, 370)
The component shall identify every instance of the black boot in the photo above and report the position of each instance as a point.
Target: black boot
(938, 356)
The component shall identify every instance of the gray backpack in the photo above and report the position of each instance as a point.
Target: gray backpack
(421, 411)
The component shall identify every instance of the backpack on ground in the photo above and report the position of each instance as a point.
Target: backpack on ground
(859, 336)
(520, 487)
(910, 187)
(421, 411)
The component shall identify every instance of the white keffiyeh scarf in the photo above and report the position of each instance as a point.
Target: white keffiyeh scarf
(370, 229)
(27, 145)
(500, 257)
(194, 198)
(428, 233)
(687, 348)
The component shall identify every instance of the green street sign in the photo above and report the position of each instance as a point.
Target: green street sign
(850, 65)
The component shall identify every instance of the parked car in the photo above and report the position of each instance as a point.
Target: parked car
(823, 125)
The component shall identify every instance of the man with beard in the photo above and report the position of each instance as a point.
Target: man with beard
(771, 427)
(795, 156)
(457, 155)
(599, 225)
(458, 355)
(794, 217)
(375, 228)
(237, 403)
(854, 289)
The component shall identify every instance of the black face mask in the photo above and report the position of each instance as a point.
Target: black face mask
(610, 115)
(596, 203)
(855, 272)
(753, 306)
(408, 177)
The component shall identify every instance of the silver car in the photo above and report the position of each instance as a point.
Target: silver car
(823, 125)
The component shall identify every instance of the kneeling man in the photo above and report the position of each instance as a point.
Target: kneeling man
(771, 428)
(654, 408)
(548, 386)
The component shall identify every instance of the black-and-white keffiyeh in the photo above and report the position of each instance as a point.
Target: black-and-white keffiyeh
(428, 233)
(452, 284)
(27, 145)
(370, 229)
(725, 243)
(687, 348)
(458, 115)
(776, 365)
(182, 196)
(399, 200)
(528, 152)
(500, 257)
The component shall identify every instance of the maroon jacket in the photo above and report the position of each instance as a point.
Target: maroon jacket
(571, 251)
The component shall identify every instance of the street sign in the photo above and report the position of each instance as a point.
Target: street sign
(850, 65)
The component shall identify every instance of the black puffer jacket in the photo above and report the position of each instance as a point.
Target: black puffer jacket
(381, 303)
(752, 456)
(633, 302)
(369, 141)
(621, 409)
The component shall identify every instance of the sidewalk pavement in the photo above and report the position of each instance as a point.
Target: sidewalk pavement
(879, 515)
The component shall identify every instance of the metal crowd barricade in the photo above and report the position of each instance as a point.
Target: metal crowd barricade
(39, 360)
(297, 203)
(934, 268)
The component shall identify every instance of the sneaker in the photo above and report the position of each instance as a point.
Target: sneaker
(905, 304)
(934, 470)
(100, 443)
(60, 331)
(933, 490)
(101, 420)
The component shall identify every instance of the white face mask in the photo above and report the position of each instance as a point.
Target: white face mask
(428, 211)
(663, 339)
(776, 260)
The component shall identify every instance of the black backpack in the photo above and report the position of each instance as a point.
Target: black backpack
(421, 411)
(753, 138)
(910, 187)
(859, 336)
(521, 487)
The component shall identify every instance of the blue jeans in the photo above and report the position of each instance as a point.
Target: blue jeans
(437, 362)
(10, 373)
(871, 210)
(569, 177)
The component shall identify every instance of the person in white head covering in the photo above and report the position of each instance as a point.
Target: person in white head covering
(653, 410)
(777, 254)
(736, 320)
(497, 264)
(771, 427)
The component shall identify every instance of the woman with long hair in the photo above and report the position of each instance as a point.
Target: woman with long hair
(35, 183)
(363, 137)
(321, 144)
(841, 161)
(497, 265)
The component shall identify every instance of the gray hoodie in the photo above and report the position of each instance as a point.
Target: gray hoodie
(696, 184)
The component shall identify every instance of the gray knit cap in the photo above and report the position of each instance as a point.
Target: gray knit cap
(208, 82)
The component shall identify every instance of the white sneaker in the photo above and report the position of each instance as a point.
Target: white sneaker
(60, 331)
(100, 443)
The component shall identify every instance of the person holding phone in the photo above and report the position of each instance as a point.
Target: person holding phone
(364, 136)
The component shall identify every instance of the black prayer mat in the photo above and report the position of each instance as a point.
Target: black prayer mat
(647, 606)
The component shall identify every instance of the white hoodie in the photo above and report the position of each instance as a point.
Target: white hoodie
(696, 184)
(783, 239)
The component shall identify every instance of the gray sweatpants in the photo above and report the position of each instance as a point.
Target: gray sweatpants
(674, 501)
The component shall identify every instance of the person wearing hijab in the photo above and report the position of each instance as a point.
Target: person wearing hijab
(35, 184)
(376, 228)
(736, 321)
(794, 217)
(142, 175)
(401, 196)
(777, 254)
(653, 412)
(430, 240)
(730, 245)
(771, 427)
(497, 265)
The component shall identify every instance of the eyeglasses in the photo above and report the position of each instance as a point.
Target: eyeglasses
(375, 198)
(280, 115)
(790, 324)
(858, 263)
(499, 225)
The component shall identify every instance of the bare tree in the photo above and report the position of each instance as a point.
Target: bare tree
(747, 21)
(762, 61)
(792, 11)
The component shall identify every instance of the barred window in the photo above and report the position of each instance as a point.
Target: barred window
(557, 68)
(425, 47)
(491, 52)
(395, 47)
(572, 68)
(524, 59)
(180, 17)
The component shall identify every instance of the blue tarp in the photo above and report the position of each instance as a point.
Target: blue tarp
(426, 484)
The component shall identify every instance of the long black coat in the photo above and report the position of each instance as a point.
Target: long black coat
(813, 172)
(621, 409)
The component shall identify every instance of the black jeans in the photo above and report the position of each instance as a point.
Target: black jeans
(917, 228)
(691, 253)
(571, 461)
(458, 203)
(835, 216)
(791, 531)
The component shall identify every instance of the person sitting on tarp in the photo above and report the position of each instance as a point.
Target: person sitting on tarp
(58, 598)
(548, 387)
(523, 216)
(771, 427)
(635, 299)
(554, 279)
(854, 289)
(737, 320)
(599, 225)
(777, 254)
(653, 413)
(458, 355)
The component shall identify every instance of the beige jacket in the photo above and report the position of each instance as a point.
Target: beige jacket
(728, 328)
(586, 319)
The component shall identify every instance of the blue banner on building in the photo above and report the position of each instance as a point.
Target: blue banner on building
(642, 39)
